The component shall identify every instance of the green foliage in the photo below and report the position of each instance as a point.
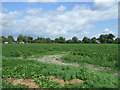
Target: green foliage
(107, 38)
(117, 40)
(10, 39)
(60, 40)
(86, 40)
(75, 39)
(47, 83)
(99, 54)
(16, 68)
(3, 39)
(20, 38)
(26, 50)
(93, 40)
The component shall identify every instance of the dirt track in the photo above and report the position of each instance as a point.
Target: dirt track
(55, 60)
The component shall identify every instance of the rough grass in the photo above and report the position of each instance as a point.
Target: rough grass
(105, 55)
(17, 68)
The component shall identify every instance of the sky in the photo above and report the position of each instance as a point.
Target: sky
(55, 19)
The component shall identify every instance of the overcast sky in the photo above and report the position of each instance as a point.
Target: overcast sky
(55, 19)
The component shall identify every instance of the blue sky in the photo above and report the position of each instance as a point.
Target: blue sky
(19, 6)
(56, 19)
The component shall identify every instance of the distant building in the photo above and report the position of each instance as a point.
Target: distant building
(6, 42)
(97, 41)
(21, 42)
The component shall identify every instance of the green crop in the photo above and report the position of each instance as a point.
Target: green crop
(100, 55)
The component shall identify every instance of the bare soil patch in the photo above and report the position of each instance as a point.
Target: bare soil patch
(31, 84)
(75, 81)
(62, 82)
(27, 82)
(55, 60)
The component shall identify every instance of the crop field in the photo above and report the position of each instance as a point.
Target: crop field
(60, 65)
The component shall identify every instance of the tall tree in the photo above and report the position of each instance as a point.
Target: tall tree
(3, 39)
(111, 36)
(117, 40)
(48, 40)
(10, 39)
(29, 39)
(56, 40)
(110, 41)
(20, 38)
(93, 40)
(25, 39)
(61, 40)
(75, 39)
(40, 40)
(69, 41)
(107, 38)
(86, 40)
(103, 38)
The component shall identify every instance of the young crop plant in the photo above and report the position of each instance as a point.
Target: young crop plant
(100, 56)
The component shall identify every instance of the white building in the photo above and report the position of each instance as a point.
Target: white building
(6, 42)
(97, 41)
(22, 42)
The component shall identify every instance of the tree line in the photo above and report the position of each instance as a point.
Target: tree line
(103, 38)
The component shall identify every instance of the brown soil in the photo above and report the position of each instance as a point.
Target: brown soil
(49, 77)
(31, 84)
(27, 82)
(75, 81)
(62, 82)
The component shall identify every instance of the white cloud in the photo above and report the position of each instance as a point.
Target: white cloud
(85, 33)
(107, 31)
(102, 4)
(33, 11)
(61, 8)
(52, 23)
